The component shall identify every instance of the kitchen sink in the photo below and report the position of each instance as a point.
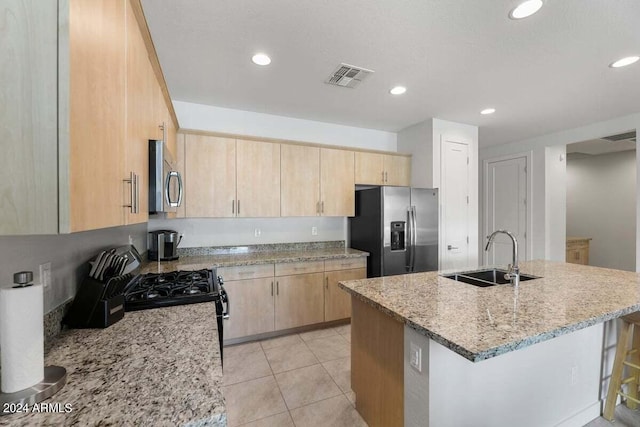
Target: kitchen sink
(485, 278)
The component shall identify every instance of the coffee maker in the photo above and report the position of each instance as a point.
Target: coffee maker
(163, 245)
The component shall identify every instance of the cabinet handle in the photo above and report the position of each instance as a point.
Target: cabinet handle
(233, 207)
(383, 177)
(272, 288)
(277, 288)
(137, 192)
(317, 207)
(133, 181)
(326, 283)
(386, 177)
(238, 207)
(322, 207)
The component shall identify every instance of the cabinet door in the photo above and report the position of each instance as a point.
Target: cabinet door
(397, 170)
(139, 123)
(97, 53)
(337, 182)
(29, 117)
(251, 307)
(299, 300)
(369, 168)
(258, 174)
(300, 180)
(210, 182)
(337, 302)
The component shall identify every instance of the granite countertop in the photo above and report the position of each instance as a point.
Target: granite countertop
(480, 323)
(159, 367)
(238, 258)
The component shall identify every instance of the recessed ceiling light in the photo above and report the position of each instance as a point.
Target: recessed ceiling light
(398, 90)
(488, 111)
(261, 59)
(525, 9)
(624, 61)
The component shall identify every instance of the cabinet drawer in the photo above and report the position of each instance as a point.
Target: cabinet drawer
(246, 272)
(289, 268)
(345, 264)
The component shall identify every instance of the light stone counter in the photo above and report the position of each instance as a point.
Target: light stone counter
(158, 367)
(480, 323)
(238, 258)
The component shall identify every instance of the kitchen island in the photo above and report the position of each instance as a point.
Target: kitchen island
(159, 367)
(430, 351)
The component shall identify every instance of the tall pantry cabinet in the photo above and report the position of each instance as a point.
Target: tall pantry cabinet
(83, 97)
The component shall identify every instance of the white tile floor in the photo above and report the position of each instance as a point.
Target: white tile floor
(304, 380)
(301, 380)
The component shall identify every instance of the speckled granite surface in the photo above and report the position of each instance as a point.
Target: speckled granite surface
(249, 258)
(158, 367)
(480, 323)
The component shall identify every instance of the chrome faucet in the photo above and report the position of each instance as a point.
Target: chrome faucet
(513, 273)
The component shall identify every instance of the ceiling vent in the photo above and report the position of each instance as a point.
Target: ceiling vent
(348, 76)
(627, 136)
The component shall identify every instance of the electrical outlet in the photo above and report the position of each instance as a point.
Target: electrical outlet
(314, 231)
(130, 240)
(45, 274)
(415, 352)
(257, 232)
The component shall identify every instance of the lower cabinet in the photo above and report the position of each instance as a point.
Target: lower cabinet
(273, 297)
(337, 303)
(299, 300)
(252, 308)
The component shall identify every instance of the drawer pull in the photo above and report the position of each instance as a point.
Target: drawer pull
(277, 288)
(272, 288)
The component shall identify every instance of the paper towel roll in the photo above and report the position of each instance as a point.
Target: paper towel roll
(21, 337)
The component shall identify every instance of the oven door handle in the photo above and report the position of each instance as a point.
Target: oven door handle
(225, 299)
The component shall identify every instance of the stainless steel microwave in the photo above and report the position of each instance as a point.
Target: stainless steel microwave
(165, 182)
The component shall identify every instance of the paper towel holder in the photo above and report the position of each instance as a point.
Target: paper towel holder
(55, 378)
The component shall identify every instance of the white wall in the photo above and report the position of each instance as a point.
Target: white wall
(226, 120)
(549, 196)
(241, 231)
(601, 205)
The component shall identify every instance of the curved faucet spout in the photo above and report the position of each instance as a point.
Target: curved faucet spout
(514, 269)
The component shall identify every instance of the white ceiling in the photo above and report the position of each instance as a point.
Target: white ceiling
(595, 147)
(542, 74)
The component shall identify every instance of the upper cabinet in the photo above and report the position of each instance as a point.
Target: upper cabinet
(337, 182)
(225, 177)
(382, 169)
(300, 184)
(83, 92)
(257, 179)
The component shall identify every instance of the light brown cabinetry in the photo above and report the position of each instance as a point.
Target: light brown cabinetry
(337, 303)
(317, 181)
(258, 179)
(382, 169)
(578, 250)
(210, 176)
(81, 90)
(280, 296)
(299, 300)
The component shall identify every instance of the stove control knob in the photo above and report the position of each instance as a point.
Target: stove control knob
(220, 280)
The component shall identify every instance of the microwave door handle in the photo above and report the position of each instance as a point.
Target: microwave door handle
(171, 203)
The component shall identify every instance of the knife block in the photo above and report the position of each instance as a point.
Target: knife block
(98, 304)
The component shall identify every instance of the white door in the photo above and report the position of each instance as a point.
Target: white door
(505, 190)
(454, 188)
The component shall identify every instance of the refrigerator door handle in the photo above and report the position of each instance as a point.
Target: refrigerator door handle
(414, 238)
(408, 242)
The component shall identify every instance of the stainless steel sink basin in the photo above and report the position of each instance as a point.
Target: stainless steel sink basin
(485, 278)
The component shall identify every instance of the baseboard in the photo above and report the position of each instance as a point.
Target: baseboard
(583, 417)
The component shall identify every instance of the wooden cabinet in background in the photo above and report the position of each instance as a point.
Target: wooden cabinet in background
(382, 169)
(337, 184)
(337, 303)
(258, 179)
(210, 176)
(578, 250)
(300, 182)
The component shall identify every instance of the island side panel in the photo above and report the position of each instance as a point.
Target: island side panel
(377, 365)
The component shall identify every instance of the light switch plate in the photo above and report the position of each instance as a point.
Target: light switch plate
(415, 353)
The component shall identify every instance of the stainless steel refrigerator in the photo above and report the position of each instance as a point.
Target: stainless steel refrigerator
(398, 226)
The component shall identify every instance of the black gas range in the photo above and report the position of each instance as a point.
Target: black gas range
(148, 291)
